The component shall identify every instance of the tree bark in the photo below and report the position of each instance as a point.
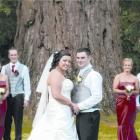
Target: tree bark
(46, 26)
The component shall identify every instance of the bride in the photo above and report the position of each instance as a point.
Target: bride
(54, 119)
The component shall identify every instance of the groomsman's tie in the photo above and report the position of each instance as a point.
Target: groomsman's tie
(13, 68)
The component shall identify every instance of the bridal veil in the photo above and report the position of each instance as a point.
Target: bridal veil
(43, 89)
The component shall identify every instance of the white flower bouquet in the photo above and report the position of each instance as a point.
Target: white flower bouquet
(2, 92)
(129, 89)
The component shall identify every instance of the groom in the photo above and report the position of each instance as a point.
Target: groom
(88, 118)
(19, 83)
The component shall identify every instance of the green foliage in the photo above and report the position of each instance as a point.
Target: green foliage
(7, 7)
(7, 25)
(130, 30)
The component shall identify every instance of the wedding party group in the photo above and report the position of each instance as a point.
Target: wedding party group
(69, 108)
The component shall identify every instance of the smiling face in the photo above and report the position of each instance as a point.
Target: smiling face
(13, 56)
(127, 65)
(82, 59)
(64, 63)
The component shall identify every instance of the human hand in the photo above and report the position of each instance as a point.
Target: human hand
(128, 97)
(0, 101)
(26, 102)
(4, 97)
(75, 109)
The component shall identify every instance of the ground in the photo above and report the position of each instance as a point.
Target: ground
(108, 127)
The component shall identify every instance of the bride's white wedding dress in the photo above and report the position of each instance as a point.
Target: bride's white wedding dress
(58, 121)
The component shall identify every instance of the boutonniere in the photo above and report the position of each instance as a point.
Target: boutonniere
(16, 72)
(79, 79)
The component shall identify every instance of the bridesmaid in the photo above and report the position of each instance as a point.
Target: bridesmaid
(125, 101)
(3, 104)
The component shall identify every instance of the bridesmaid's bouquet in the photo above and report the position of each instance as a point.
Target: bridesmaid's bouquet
(2, 92)
(129, 89)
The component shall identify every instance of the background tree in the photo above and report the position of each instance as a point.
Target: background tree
(45, 26)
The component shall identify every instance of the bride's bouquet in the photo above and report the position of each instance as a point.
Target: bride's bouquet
(129, 89)
(2, 92)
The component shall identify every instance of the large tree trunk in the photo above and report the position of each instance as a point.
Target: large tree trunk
(45, 26)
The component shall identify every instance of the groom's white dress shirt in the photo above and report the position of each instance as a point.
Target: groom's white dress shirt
(94, 82)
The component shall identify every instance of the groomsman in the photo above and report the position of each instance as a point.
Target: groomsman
(19, 83)
(88, 118)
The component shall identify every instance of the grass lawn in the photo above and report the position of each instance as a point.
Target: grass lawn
(108, 128)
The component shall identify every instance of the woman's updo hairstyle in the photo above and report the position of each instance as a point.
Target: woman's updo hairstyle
(57, 56)
(127, 59)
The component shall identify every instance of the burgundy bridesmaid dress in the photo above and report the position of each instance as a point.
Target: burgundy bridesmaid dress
(126, 114)
(3, 108)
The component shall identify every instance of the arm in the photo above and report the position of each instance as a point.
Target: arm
(115, 85)
(94, 82)
(7, 88)
(56, 87)
(27, 86)
(137, 89)
(3, 70)
(138, 77)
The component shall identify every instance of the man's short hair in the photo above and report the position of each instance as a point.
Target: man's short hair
(86, 50)
(12, 48)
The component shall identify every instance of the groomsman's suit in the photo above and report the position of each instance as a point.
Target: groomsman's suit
(19, 92)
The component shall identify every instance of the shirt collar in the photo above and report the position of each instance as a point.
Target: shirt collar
(85, 68)
(16, 64)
